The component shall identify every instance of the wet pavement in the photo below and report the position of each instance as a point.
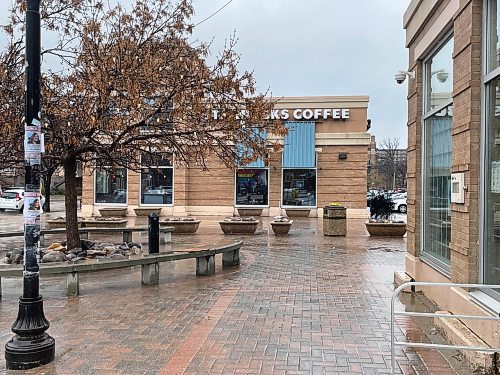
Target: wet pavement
(298, 304)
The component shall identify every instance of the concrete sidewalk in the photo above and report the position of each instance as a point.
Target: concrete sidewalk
(299, 304)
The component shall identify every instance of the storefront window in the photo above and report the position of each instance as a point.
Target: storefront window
(439, 77)
(110, 185)
(436, 194)
(437, 189)
(299, 187)
(252, 187)
(491, 262)
(492, 36)
(157, 179)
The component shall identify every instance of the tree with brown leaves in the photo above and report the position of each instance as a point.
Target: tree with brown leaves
(131, 83)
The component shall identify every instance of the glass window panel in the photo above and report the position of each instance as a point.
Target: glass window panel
(492, 208)
(437, 189)
(439, 77)
(156, 186)
(252, 187)
(492, 36)
(299, 187)
(163, 159)
(111, 185)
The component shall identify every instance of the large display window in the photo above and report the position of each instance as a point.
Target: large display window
(252, 187)
(110, 185)
(437, 157)
(157, 179)
(490, 259)
(299, 188)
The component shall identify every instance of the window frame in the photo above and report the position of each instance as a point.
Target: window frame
(487, 78)
(316, 187)
(425, 256)
(157, 167)
(111, 204)
(268, 188)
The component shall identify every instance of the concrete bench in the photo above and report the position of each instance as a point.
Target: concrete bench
(126, 233)
(150, 268)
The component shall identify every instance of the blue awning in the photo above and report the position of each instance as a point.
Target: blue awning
(299, 150)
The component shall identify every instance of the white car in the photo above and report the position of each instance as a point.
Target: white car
(13, 199)
(400, 205)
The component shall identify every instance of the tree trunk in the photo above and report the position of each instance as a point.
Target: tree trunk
(70, 200)
(47, 180)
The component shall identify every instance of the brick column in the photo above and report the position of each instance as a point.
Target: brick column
(466, 139)
(414, 156)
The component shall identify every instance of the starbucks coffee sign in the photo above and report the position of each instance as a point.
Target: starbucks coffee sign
(300, 114)
(310, 114)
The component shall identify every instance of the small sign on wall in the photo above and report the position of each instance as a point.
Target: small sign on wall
(457, 188)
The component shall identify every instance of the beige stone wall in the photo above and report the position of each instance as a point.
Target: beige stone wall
(214, 187)
(466, 139)
(87, 187)
(342, 181)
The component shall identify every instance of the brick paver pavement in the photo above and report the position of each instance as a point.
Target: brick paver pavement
(299, 304)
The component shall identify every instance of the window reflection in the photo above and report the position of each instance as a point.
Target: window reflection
(157, 179)
(492, 250)
(299, 187)
(437, 194)
(492, 36)
(252, 187)
(110, 185)
(439, 76)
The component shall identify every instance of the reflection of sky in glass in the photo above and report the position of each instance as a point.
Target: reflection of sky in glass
(442, 64)
(493, 36)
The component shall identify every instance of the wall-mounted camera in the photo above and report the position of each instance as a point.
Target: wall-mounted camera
(400, 76)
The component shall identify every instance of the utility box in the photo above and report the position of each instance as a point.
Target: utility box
(457, 188)
(334, 221)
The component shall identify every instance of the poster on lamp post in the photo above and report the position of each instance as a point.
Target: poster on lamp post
(32, 196)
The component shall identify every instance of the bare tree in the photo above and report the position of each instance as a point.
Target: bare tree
(391, 164)
(132, 84)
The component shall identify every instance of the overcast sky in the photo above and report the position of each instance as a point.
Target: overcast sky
(320, 47)
(317, 47)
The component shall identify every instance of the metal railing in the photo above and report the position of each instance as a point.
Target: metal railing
(433, 315)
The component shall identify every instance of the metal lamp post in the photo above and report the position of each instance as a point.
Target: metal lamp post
(31, 346)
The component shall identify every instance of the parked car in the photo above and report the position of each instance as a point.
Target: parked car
(13, 199)
(400, 205)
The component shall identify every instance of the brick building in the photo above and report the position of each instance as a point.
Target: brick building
(323, 160)
(453, 128)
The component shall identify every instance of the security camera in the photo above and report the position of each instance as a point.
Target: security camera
(442, 76)
(400, 78)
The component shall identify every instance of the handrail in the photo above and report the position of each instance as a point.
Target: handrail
(417, 314)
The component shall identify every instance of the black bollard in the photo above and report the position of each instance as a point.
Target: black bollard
(154, 234)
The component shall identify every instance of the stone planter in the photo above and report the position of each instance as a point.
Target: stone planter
(239, 227)
(297, 212)
(113, 211)
(386, 229)
(281, 227)
(109, 223)
(146, 211)
(250, 211)
(182, 226)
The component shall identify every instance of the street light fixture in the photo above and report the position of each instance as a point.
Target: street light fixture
(31, 346)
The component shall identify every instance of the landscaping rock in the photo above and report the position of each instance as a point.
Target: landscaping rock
(123, 246)
(54, 256)
(86, 244)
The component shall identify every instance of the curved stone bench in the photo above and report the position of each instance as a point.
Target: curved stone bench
(126, 233)
(150, 268)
